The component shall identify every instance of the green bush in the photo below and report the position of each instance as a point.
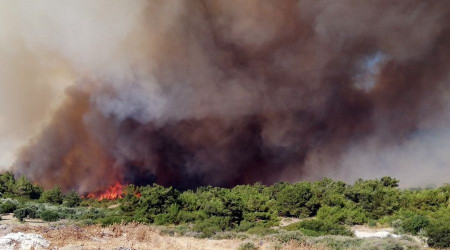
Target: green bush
(129, 201)
(245, 225)
(27, 212)
(169, 217)
(92, 214)
(247, 246)
(114, 219)
(53, 196)
(23, 187)
(339, 242)
(7, 207)
(20, 214)
(7, 183)
(49, 215)
(415, 224)
(72, 199)
(317, 228)
(285, 237)
(377, 198)
(188, 216)
(342, 215)
(438, 233)
(208, 227)
(32, 212)
(292, 200)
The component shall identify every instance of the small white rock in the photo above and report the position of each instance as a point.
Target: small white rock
(379, 234)
(24, 241)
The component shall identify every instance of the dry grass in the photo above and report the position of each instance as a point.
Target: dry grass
(293, 245)
(135, 236)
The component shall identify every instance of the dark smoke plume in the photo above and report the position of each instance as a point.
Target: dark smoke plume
(190, 93)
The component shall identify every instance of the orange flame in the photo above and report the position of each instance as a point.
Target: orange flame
(113, 192)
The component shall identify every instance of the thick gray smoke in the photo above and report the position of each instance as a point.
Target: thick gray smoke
(190, 93)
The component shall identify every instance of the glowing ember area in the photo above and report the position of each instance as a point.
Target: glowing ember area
(112, 193)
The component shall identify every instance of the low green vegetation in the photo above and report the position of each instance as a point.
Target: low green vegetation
(317, 227)
(325, 208)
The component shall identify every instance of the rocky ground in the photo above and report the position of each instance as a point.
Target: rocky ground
(35, 234)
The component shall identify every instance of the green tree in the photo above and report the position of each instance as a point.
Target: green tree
(27, 212)
(427, 200)
(71, 199)
(49, 215)
(329, 192)
(375, 198)
(156, 200)
(415, 224)
(189, 201)
(130, 199)
(7, 183)
(438, 233)
(24, 187)
(342, 215)
(389, 181)
(20, 214)
(53, 196)
(293, 200)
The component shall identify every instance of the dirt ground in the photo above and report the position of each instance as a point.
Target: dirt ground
(132, 236)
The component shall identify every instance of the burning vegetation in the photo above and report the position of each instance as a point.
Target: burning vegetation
(111, 193)
(191, 93)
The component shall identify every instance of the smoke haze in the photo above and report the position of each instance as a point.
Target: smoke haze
(190, 93)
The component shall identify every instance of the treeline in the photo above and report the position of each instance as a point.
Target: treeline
(331, 205)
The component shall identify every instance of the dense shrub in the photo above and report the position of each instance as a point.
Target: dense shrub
(49, 215)
(188, 216)
(92, 214)
(438, 233)
(329, 193)
(53, 196)
(427, 200)
(20, 213)
(292, 200)
(285, 237)
(342, 215)
(7, 207)
(317, 228)
(247, 246)
(253, 209)
(19, 189)
(23, 187)
(27, 212)
(169, 217)
(130, 200)
(72, 199)
(7, 183)
(415, 223)
(114, 219)
(374, 197)
(212, 225)
(156, 200)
